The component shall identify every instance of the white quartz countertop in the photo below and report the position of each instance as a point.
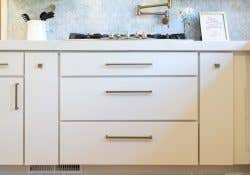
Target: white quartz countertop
(124, 45)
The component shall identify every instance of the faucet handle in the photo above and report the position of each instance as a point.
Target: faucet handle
(166, 19)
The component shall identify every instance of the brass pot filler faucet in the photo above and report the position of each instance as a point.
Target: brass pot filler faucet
(165, 19)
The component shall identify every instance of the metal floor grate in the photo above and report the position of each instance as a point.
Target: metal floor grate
(55, 170)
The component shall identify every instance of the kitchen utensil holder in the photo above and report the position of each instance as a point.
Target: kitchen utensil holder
(36, 30)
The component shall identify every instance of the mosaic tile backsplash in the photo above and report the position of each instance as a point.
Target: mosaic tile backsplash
(118, 16)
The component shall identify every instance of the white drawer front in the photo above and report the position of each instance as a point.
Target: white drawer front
(86, 64)
(11, 63)
(129, 143)
(155, 98)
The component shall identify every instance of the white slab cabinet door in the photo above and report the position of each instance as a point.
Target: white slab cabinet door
(11, 121)
(41, 102)
(216, 109)
(242, 109)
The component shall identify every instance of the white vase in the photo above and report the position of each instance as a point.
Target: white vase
(36, 30)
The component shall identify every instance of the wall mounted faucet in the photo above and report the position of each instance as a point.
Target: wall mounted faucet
(165, 19)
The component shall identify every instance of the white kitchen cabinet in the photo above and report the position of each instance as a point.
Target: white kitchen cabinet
(11, 63)
(11, 121)
(41, 108)
(129, 143)
(242, 109)
(147, 105)
(216, 108)
(127, 63)
(129, 98)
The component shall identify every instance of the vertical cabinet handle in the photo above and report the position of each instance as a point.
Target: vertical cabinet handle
(16, 96)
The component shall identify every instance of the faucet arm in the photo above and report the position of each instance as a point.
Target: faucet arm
(154, 13)
(153, 5)
(168, 4)
(165, 14)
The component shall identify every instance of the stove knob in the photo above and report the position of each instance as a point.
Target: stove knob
(144, 35)
(127, 36)
(111, 36)
(137, 35)
(117, 36)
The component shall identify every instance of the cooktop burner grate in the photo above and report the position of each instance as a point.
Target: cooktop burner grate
(126, 36)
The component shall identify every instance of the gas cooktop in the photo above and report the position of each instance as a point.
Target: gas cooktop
(135, 36)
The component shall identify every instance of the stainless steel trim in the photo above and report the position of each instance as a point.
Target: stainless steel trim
(108, 137)
(130, 92)
(129, 64)
(16, 96)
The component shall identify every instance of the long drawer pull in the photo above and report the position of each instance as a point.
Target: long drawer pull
(16, 96)
(4, 65)
(129, 137)
(129, 64)
(130, 92)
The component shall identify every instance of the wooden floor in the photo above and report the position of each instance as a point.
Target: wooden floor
(134, 170)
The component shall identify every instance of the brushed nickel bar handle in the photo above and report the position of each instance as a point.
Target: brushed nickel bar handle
(16, 96)
(4, 64)
(150, 137)
(129, 64)
(129, 92)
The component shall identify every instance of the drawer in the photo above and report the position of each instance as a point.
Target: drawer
(131, 98)
(141, 63)
(11, 63)
(129, 143)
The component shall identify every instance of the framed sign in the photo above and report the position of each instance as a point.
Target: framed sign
(214, 26)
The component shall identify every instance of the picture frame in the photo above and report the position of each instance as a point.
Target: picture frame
(3, 19)
(214, 26)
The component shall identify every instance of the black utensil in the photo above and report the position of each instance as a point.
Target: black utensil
(43, 16)
(49, 15)
(25, 17)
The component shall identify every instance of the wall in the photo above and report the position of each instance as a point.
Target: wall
(3, 19)
(106, 16)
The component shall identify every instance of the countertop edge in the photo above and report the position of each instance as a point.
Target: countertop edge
(123, 45)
